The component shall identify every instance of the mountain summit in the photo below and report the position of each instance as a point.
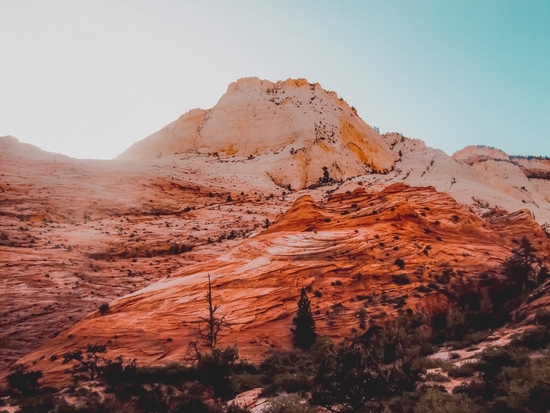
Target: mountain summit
(296, 127)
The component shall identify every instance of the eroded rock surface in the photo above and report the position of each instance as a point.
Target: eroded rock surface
(343, 250)
(76, 234)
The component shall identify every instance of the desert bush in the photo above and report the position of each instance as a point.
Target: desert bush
(37, 404)
(104, 308)
(287, 371)
(438, 401)
(24, 382)
(288, 403)
(533, 338)
(465, 370)
(400, 279)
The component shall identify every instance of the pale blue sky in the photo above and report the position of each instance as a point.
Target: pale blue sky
(89, 78)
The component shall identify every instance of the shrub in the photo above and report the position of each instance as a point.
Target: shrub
(215, 369)
(518, 267)
(288, 403)
(400, 263)
(437, 401)
(24, 382)
(533, 338)
(401, 279)
(104, 308)
(286, 370)
(465, 370)
(494, 359)
(304, 333)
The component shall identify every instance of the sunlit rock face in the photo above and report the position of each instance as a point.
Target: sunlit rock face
(296, 128)
(343, 250)
(485, 179)
(521, 179)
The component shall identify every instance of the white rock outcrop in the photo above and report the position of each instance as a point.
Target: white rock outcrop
(306, 127)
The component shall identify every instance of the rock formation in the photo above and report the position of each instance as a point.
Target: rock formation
(234, 192)
(296, 128)
(345, 251)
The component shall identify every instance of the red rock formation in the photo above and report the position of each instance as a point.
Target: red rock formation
(342, 250)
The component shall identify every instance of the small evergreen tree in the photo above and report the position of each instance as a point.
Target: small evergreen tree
(326, 176)
(519, 267)
(304, 333)
(86, 364)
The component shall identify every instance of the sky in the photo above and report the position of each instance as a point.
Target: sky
(89, 78)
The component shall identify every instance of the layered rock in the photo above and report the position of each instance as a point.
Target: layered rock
(522, 179)
(75, 234)
(198, 198)
(485, 179)
(345, 251)
(296, 128)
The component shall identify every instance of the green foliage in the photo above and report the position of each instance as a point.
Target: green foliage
(104, 308)
(494, 359)
(288, 403)
(381, 363)
(519, 267)
(349, 376)
(325, 179)
(215, 369)
(86, 365)
(233, 408)
(511, 382)
(304, 332)
(288, 371)
(456, 323)
(24, 382)
(465, 370)
(37, 404)
(533, 338)
(438, 401)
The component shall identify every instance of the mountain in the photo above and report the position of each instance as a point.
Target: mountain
(295, 127)
(279, 186)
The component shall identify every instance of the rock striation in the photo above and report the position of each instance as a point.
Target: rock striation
(378, 250)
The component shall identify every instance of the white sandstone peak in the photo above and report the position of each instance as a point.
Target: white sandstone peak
(294, 126)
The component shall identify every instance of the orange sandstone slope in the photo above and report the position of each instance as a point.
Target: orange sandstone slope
(295, 127)
(343, 250)
(75, 234)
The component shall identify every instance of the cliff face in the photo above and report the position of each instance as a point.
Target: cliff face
(343, 250)
(296, 128)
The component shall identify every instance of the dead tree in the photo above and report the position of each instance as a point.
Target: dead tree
(213, 323)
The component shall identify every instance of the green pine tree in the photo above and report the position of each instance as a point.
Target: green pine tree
(519, 267)
(304, 333)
